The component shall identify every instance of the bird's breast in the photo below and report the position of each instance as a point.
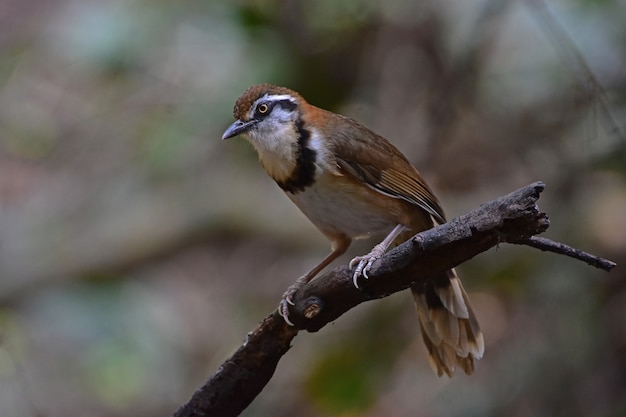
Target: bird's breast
(338, 204)
(287, 156)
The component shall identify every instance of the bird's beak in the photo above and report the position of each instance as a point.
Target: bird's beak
(238, 128)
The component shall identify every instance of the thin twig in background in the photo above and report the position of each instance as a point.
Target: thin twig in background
(577, 65)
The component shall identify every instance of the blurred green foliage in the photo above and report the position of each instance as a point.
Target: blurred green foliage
(347, 377)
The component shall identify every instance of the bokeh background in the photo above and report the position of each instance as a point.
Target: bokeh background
(137, 248)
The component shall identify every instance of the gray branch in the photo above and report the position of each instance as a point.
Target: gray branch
(514, 218)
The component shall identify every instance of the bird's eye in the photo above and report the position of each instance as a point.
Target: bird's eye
(263, 108)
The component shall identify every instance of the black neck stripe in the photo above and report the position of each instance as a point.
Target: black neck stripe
(303, 175)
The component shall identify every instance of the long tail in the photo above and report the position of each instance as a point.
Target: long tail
(449, 327)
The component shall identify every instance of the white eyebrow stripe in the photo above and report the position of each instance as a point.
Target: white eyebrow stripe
(273, 98)
(278, 97)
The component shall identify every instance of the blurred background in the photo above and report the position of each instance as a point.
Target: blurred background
(137, 248)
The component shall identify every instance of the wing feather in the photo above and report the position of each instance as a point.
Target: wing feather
(363, 154)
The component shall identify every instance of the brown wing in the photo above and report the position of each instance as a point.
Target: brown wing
(369, 157)
(449, 327)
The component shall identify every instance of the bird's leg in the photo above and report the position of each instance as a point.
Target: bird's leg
(339, 247)
(364, 263)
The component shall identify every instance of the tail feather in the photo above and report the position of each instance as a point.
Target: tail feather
(451, 296)
(448, 324)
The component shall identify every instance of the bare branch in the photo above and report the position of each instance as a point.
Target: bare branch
(513, 218)
(242, 376)
(551, 246)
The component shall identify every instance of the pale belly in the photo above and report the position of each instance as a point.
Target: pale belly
(342, 209)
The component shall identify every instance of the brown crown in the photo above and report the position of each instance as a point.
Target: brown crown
(252, 94)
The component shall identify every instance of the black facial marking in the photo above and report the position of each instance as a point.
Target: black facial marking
(287, 104)
(264, 108)
(303, 174)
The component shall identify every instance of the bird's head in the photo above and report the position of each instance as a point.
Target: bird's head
(271, 118)
(266, 114)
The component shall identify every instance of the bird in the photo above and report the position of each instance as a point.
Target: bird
(352, 183)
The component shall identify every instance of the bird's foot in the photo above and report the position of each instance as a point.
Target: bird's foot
(287, 300)
(365, 262)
